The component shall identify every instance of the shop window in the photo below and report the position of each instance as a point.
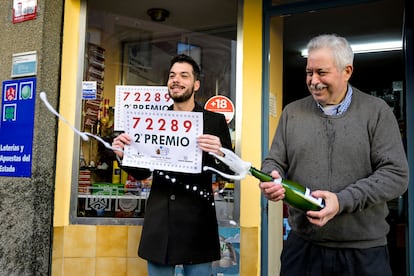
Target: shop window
(122, 49)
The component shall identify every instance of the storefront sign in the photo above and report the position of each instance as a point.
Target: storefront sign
(221, 104)
(165, 140)
(130, 97)
(89, 90)
(24, 64)
(24, 10)
(16, 127)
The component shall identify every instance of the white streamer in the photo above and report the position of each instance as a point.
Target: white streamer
(85, 135)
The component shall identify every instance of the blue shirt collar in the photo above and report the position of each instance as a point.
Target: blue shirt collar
(342, 106)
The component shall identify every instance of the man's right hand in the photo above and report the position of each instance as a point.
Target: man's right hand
(272, 190)
(119, 142)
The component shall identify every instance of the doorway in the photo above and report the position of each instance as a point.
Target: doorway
(379, 74)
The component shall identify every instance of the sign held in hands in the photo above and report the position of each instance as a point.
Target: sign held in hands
(165, 140)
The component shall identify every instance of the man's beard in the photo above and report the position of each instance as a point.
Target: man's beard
(184, 97)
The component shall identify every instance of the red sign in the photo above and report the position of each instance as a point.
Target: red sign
(221, 104)
(11, 94)
(24, 10)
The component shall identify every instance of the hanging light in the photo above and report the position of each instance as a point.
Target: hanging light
(158, 14)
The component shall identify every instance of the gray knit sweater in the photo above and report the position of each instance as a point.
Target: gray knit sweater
(357, 155)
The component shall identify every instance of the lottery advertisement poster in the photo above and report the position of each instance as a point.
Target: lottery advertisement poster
(165, 140)
(132, 97)
(16, 127)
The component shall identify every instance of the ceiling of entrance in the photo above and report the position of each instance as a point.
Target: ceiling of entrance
(183, 14)
(376, 20)
(364, 23)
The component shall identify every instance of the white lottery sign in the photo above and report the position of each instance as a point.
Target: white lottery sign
(131, 97)
(164, 140)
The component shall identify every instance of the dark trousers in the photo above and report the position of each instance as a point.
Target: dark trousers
(302, 258)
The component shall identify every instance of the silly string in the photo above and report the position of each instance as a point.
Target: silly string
(84, 135)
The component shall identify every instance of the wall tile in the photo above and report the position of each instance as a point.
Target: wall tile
(111, 266)
(79, 241)
(111, 241)
(58, 237)
(134, 236)
(79, 267)
(136, 266)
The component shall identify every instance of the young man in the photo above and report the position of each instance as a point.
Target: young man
(180, 225)
(346, 146)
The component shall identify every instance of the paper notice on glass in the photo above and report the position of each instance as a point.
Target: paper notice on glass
(163, 140)
(132, 97)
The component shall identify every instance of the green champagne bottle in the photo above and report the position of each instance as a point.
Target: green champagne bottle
(296, 195)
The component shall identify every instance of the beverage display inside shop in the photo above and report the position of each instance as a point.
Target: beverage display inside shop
(105, 190)
(111, 192)
(121, 197)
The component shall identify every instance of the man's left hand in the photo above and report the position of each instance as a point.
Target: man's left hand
(330, 210)
(210, 143)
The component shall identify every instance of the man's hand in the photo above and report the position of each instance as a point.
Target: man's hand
(119, 142)
(271, 190)
(210, 143)
(330, 210)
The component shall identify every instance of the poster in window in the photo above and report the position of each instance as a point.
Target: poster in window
(191, 50)
(137, 63)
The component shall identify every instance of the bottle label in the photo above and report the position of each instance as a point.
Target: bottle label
(278, 180)
(308, 196)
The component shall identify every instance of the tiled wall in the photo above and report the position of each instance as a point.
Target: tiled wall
(87, 250)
